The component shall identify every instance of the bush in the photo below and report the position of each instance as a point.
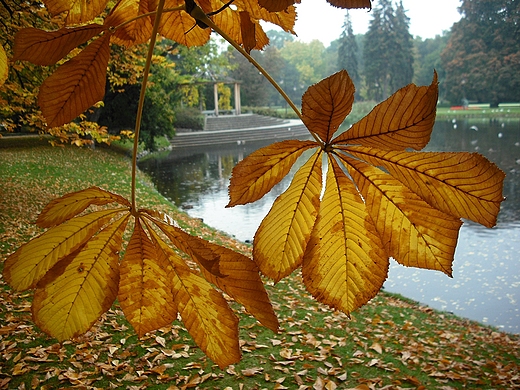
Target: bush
(188, 118)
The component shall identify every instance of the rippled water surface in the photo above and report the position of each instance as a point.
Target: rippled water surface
(486, 273)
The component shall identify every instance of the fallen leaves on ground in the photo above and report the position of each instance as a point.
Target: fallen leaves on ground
(390, 343)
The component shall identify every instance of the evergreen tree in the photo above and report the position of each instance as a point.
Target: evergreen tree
(387, 51)
(348, 51)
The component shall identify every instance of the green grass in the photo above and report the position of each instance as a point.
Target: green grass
(392, 341)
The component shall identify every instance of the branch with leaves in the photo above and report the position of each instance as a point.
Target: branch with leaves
(377, 199)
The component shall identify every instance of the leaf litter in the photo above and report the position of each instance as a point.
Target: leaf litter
(389, 343)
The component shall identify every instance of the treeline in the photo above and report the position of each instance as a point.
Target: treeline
(478, 60)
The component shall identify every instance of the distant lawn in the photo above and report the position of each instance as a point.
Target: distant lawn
(390, 343)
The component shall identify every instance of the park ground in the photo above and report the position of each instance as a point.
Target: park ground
(390, 343)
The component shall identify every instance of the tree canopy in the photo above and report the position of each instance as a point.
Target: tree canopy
(482, 56)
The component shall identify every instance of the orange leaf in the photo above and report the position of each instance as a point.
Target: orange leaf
(344, 265)
(48, 47)
(351, 3)
(61, 209)
(25, 267)
(76, 85)
(415, 234)
(80, 288)
(256, 175)
(145, 287)
(464, 185)
(277, 5)
(78, 11)
(282, 236)
(135, 32)
(180, 27)
(326, 104)
(404, 120)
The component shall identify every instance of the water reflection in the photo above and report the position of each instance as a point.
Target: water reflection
(486, 273)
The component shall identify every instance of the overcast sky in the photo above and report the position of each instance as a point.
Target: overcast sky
(319, 20)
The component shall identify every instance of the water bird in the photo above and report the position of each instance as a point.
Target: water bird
(474, 128)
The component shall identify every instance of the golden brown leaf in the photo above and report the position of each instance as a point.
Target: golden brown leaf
(351, 3)
(326, 104)
(257, 174)
(136, 32)
(25, 267)
(80, 288)
(404, 120)
(277, 5)
(61, 209)
(284, 19)
(4, 68)
(48, 47)
(145, 288)
(180, 27)
(414, 233)
(204, 311)
(345, 264)
(282, 236)
(78, 11)
(232, 272)
(464, 185)
(76, 85)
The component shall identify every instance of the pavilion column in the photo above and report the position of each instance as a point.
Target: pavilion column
(238, 108)
(215, 95)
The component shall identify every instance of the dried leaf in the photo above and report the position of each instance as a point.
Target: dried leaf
(4, 68)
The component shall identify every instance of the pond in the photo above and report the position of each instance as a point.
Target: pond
(486, 272)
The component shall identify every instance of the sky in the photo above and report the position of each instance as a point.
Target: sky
(319, 20)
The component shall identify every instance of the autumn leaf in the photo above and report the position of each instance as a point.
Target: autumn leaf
(76, 11)
(4, 68)
(48, 47)
(351, 3)
(76, 85)
(344, 236)
(138, 30)
(77, 272)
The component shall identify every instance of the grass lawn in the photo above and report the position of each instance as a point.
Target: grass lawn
(390, 343)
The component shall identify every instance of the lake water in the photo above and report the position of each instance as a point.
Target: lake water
(486, 272)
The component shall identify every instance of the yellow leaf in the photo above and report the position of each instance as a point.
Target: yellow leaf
(204, 311)
(404, 120)
(326, 104)
(61, 209)
(344, 265)
(133, 33)
(282, 236)
(79, 289)
(48, 47)
(180, 27)
(464, 185)
(76, 85)
(415, 234)
(4, 68)
(235, 274)
(145, 286)
(284, 18)
(257, 174)
(78, 11)
(207, 317)
(25, 267)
